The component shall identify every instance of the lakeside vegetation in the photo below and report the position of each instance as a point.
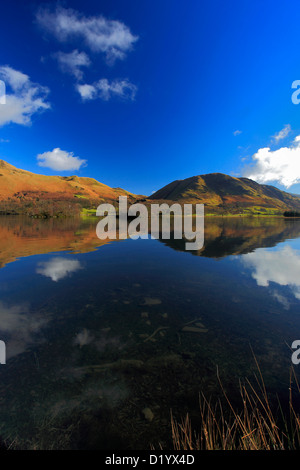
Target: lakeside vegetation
(291, 214)
(44, 209)
(257, 425)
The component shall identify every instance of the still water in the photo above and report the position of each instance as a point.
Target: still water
(105, 339)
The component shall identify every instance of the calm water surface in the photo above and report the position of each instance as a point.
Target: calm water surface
(99, 332)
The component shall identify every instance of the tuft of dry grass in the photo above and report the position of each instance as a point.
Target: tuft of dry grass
(254, 427)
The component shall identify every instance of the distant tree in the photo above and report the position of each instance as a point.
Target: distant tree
(291, 214)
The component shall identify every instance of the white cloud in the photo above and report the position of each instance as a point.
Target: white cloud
(106, 89)
(283, 133)
(72, 62)
(58, 268)
(60, 160)
(122, 88)
(111, 37)
(27, 98)
(237, 132)
(281, 165)
(17, 80)
(281, 267)
(87, 92)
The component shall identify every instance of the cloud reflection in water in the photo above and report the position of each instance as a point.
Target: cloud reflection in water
(58, 268)
(281, 267)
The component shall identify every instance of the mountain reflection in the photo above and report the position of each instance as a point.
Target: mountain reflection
(234, 236)
(22, 236)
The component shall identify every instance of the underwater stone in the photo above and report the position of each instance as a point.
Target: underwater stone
(194, 329)
(148, 414)
(151, 301)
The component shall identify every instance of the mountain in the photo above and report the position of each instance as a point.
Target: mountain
(223, 194)
(39, 195)
(23, 191)
(17, 183)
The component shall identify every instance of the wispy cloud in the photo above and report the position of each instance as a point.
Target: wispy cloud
(58, 268)
(23, 100)
(60, 160)
(237, 132)
(281, 165)
(71, 62)
(110, 37)
(282, 134)
(281, 299)
(106, 89)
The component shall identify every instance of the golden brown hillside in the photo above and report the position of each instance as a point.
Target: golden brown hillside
(22, 191)
(15, 182)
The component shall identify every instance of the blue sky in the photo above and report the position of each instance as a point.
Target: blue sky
(139, 93)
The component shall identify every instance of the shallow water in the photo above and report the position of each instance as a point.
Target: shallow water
(104, 339)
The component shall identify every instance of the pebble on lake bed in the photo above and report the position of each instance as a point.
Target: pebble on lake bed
(148, 414)
(194, 329)
(151, 301)
(106, 330)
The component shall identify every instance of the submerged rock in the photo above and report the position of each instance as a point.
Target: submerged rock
(151, 301)
(194, 329)
(148, 414)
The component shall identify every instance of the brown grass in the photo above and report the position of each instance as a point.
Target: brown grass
(255, 427)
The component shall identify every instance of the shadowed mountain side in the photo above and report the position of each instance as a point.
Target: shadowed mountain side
(225, 194)
(234, 236)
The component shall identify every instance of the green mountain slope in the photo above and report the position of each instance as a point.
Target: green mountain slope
(226, 194)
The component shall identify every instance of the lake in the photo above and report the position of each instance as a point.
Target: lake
(104, 339)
